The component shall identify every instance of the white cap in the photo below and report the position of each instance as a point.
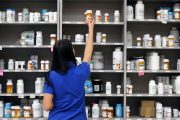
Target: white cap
(108, 82)
(98, 11)
(20, 80)
(116, 12)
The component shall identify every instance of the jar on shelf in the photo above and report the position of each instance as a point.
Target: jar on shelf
(98, 16)
(104, 112)
(9, 86)
(53, 39)
(2, 64)
(7, 110)
(17, 111)
(116, 16)
(106, 17)
(104, 38)
(178, 64)
(150, 42)
(118, 89)
(141, 64)
(128, 112)
(42, 65)
(158, 14)
(98, 60)
(164, 41)
(11, 64)
(97, 86)
(110, 112)
(157, 41)
(171, 41)
(177, 13)
(47, 65)
(13, 112)
(139, 41)
(27, 112)
(128, 65)
(166, 64)
(88, 14)
(98, 37)
(20, 17)
(30, 65)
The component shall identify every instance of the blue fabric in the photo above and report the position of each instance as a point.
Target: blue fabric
(68, 91)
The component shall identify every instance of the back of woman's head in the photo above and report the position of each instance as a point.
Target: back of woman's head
(62, 54)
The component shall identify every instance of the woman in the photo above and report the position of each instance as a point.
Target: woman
(64, 94)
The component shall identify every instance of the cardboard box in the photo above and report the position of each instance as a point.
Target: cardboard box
(147, 109)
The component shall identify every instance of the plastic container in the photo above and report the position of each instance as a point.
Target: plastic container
(110, 112)
(118, 89)
(117, 59)
(2, 64)
(39, 38)
(139, 42)
(157, 41)
(27, 112)
(88, 14)
(116, 16)
(104, 38)
(130, 13)
(175, 33)
(129, 39)
(20, 87)
(47, 66)
(20, 17)
(152, 87)
(53, 39)
(1, 109)
(166, 64)
(119, 111)
(7, 110)
(11, 64)
(17, 110)
(97, 86)
(98, 60)
(139, 10)
(98, 37)
(171, 41)
(154, 59)
(36, 109)
(177, 85)
(98, 16)
(25, 15)
(106, 17)
(160, 88)
(95, 111)
(9, 86)
(108, 88)
(178, 64)
(38, 86)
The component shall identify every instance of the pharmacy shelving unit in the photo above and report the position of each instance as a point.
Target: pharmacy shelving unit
(140, 83)
(72, 23)
(10, 33)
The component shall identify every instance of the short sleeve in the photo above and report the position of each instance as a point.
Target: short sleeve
(48, 87)
(84, 70)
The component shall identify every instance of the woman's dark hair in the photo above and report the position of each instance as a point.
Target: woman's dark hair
(62, 54)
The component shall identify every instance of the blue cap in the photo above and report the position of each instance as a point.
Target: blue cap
(7, 104)
(118, 105)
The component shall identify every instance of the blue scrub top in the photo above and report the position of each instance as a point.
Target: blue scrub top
(68, 92)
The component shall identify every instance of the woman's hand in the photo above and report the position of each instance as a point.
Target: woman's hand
(91, 24)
